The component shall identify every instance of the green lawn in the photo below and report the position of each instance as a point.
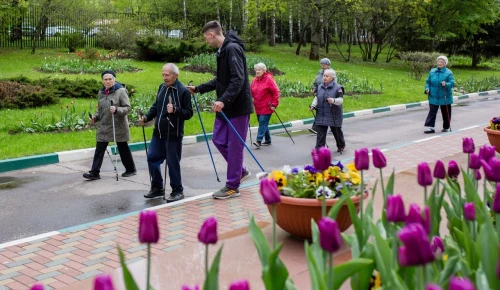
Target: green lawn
(392, 77)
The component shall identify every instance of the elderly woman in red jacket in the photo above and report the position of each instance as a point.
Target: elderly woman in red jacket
(266, 97)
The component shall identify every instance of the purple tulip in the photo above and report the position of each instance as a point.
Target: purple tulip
(379, 160)
(395, 208)
(417, 249)
(329, 235)
(453, 170)
(433, 287)
(424, 174)
(496, 200)
(185, 287)
(102, 282)
(469, 211)
(322, 158)
(439, 170)
(361, 159)
(457, 283)
(475, 161)
(486, 152)
(491, 169)
(239, 285)
(269, 191)
(437, 246)
(208, 231)
(39, 286)
(148, 227)
(468, 145)
(415, 216)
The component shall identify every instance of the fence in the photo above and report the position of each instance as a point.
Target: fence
(19, 30)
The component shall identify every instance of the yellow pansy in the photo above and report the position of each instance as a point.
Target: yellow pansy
(279, 177)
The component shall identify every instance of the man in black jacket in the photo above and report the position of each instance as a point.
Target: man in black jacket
(171, 108)
(234, 99)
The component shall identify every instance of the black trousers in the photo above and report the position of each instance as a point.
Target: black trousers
(445, 112)
(321, 136)
(125, 156)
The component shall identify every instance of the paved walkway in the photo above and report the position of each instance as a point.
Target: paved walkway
(82, 252)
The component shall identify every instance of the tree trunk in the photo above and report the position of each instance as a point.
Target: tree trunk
(217, 10)
(230, 13)
(475, 52)
(272, 38)
(258, 15)
(245, 14)
(315, 32)
(290, 27)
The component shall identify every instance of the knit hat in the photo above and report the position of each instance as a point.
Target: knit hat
(325, 61)
(443, 58)
(106, 72)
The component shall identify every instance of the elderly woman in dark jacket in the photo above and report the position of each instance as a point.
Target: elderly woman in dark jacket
(112, 100)
(329, 112)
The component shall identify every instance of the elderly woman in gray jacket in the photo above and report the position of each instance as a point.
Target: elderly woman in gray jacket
(329, 112)
(112, 100)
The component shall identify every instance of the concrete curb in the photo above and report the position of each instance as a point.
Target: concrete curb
(83, 154)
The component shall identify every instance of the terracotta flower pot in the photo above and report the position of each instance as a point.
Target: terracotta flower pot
(294, 214)
(493, 137)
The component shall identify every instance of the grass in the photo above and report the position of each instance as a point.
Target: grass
(392, 77)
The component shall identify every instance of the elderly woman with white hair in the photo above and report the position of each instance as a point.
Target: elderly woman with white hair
(439, 88)
(266, 97)
(325, 64)
(329, 111)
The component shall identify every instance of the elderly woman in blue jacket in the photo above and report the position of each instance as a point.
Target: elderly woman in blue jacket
(439, 88)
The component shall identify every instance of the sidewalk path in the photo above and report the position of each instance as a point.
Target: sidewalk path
(83, 252)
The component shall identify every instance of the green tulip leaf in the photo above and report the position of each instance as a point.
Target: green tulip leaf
(259, 240)
(389, 188)
(358, 227)
(335, 209)
(127, 276)
(482, 280)
(398, 282)
(450, 268)
(488, 252)
(275, 274)
(361, 280)
(469, 247)
(383, 255)
(289, 285)
(346, 270)
(317, 276)
(212, 279)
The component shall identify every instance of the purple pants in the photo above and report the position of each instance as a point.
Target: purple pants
(231, 147)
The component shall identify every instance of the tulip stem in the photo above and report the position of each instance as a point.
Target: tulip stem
(149, 266)
(425, 195)
(468, 163)
(424, 270)
(361, 197)
(420, 278)
(206, 260)
(394, 246)
(274, 226)
(330, 271)
(323, 201)
(383, 188)
(485, 191)
(497, 223)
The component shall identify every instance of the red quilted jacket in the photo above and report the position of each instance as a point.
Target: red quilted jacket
(265, 91)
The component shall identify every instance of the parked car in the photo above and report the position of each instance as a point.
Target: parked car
(60, 30)
(175, 34)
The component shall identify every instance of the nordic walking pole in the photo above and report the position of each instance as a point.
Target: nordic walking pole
(114, 139)
(166, 150)
(446, 105)
(204, 133)
(241, 139)
(314, 115)
(282, 123)
(140, 114)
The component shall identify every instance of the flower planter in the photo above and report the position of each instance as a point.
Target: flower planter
(294, 214)
(493, 137)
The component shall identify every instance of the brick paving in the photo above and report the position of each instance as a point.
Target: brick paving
(83, 252)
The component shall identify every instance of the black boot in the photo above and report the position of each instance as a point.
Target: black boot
(155, 192)
(175, 196)
(91, 175)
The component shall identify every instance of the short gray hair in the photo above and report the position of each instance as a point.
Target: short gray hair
(260, 65)
(173, 68)
(325, 61)
(330, 72)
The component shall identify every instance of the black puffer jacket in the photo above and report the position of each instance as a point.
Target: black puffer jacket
(329, 114)
(183, 110)
(231, 82)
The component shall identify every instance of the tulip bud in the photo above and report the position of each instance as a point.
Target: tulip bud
(475, 161)
(415, 216)
(395, 209)
(417, 249)
(208, 231)
(439, 171)
(461, 284)
(185, 287)
(239, 285)
(433, 287)
(424, 174)
(39, 286)
(453, 170)
(148, 227)
(496, 200)
(486, 152)
(329, 235)
(361, 159)
(478, 175)
(322, 158)
(379, 160)
(103, 282)
(269, 191)
(469, 211)
(468, 145)
(437, 246)
(491, 169)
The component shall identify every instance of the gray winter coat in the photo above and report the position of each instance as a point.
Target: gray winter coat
(329, 114)
(118, 94)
